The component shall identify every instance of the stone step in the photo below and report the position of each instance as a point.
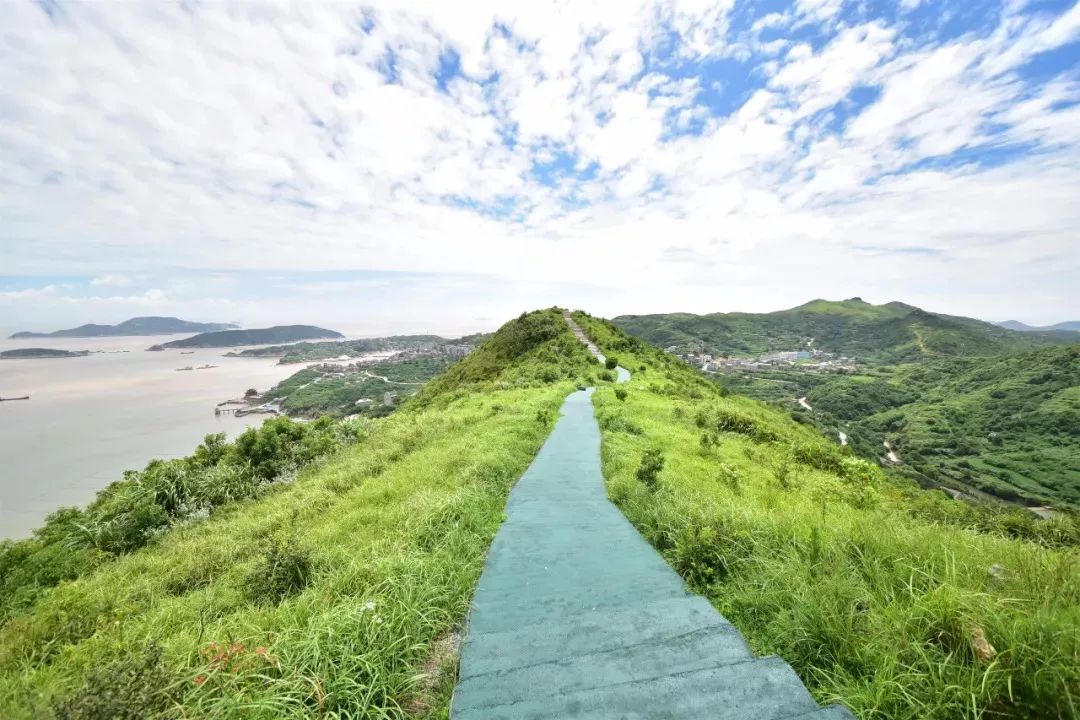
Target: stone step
(762, 689)
(709, 647)
(592, 631)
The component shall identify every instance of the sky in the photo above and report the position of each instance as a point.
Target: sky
(396, 166)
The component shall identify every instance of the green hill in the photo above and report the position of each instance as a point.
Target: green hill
(891, 332)
(134, 326)
(1006, 426)
(325, 569)
(258, 336)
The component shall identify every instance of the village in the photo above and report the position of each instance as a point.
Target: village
(811, 360)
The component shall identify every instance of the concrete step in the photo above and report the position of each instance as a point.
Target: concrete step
(589, 632)
(567, 570)
(503, 611)
(763, 689)
(701, 649)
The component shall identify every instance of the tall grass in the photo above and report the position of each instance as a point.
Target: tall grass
(334, 596)
(822, 563)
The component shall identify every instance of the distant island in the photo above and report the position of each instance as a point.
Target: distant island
(134, 326)
(28, 353)
(1069, 326)
(257, 336)
(311, 351)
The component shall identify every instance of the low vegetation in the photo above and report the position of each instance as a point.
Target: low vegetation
(899, 602)
(325, 569)
(1005, 426)
(342, 392)
(332, 595)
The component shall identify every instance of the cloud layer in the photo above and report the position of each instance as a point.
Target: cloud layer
(675, 154)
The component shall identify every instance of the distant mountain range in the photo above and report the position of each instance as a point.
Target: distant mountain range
(134, 326)
(258, 336)
(1070, 326)
(892, 332)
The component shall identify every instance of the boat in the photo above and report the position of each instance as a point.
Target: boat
(188, 367)
(24, 397)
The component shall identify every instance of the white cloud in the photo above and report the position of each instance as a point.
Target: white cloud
(139, 137)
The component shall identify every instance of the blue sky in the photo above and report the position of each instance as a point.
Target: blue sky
(397, 165)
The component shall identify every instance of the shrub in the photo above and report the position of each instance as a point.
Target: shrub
(133, 688)
(606, 376)
(730, 476)
(618, 423)
(620, 394)
(283, 570)
(652, 462)
(611, 363)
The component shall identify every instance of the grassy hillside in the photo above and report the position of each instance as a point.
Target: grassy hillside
(890, 332)
(1006, 426)
(325, 571)
(334, 591)
(899, 602)
(312, 351)
(313, 392)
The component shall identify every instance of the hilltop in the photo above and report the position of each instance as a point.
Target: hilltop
(325, 569)
(134, 326)
(258, 336)
(891, 332)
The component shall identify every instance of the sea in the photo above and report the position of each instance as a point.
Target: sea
(91, 418)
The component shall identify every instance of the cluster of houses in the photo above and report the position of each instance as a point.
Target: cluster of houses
(809, 359)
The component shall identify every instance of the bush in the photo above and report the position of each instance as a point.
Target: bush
(606, 376)
(611, 363)
(652, 462)
(283, 570)
(620, 394)
(133, 688)
(730, 476)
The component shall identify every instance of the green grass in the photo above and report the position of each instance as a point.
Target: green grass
(1005, 426)
(341, 592)
(336, 595)
(876, 594)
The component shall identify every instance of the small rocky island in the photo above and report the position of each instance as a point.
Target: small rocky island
(34, 353)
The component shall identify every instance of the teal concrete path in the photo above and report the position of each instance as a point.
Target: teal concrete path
(577, 616)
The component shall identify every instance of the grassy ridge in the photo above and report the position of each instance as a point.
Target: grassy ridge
(891, 332)
(336, 595)
(897, 602)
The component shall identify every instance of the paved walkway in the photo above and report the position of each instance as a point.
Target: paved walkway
(577, 616)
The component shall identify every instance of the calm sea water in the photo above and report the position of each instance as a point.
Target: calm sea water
(90, 418)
